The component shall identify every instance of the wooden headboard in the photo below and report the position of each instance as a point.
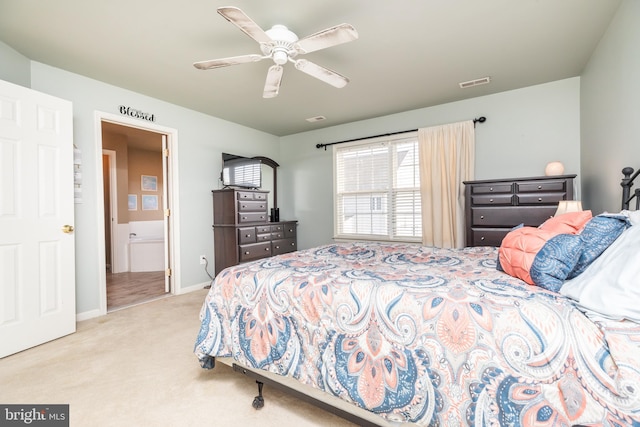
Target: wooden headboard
(627, 183)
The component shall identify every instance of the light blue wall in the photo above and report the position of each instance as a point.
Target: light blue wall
(610, 112)
(14, 67)
(525, 129)
(201, 140)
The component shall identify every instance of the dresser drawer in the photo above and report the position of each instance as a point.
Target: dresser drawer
(540, 198)
(541, 186)
(493, 199)
(290, 230)
(263, 237)
(250, 195)
(277, 235)
(488, 236)
(277, 228)
(263, 229)
(251, 217)
(255, 251)
(246, 235)
(252, 206)
(283, 246)
(491, 188)
(497, 217)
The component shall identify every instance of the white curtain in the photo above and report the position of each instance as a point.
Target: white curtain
(447, 157)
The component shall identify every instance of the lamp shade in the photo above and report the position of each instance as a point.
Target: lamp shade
(565, 206)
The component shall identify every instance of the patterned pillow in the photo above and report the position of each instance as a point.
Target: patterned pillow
(557, 258)
(598, 235)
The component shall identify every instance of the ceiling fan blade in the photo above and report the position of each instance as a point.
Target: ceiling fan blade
(322, 73)
(272, 85)
(238, 18)
(225, 62)
(332, 36)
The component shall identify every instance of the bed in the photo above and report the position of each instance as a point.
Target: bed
(401, 334)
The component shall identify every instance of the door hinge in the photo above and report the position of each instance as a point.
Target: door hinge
(165, 152)
(167, 212)
(167, 272)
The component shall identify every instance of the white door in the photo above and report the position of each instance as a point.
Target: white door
(37, 249)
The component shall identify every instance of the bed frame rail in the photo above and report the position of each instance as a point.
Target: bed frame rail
(627, 183)
(259, 400)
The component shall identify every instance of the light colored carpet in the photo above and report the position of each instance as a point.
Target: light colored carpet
(136, 367)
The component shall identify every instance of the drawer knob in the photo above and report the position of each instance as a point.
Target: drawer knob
(244, 217)
(247, 235)
(266, 249)
(277, 247)
(481, 216)
(246, 253)
(261, 216)
(539, 199)
(539, 187)
(293, 244)
(490, 200)
(490, 188)
(482, 238)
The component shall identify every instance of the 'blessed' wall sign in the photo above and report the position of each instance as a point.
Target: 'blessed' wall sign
(132, 112)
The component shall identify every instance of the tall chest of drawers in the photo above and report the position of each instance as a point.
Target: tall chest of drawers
(242, 231)
(494, 207)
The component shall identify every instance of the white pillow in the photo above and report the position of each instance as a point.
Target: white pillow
(610, 286)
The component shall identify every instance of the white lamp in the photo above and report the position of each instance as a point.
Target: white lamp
(554, 168)
(565, 206)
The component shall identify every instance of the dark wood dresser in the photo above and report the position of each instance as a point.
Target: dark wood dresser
(242, 231)
(493, 207)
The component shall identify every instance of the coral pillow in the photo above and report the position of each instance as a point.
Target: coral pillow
(568, 223)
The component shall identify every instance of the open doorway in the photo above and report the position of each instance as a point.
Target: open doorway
(137, 197)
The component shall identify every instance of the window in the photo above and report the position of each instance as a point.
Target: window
(377, 189)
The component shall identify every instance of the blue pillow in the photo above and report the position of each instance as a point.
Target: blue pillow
(598, 234)
(555, 260)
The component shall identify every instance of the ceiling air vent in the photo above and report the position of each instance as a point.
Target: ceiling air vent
(316, 119)
(476, 82)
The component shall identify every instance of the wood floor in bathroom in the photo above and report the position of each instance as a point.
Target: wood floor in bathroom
(126, 289)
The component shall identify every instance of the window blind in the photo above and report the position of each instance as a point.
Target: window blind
(377, 189)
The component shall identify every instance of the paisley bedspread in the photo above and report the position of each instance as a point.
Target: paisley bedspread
(433, 337)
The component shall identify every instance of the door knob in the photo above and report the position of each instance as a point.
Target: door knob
(67, 229)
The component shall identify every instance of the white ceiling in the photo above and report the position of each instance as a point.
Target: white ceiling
(410, 54)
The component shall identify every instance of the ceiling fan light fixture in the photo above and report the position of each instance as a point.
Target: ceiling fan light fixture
(280, 57)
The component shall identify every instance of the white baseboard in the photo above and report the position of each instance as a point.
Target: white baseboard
(193, 288)
(96, 313)
(87, 315)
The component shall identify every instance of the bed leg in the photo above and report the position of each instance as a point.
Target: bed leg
(258, 402)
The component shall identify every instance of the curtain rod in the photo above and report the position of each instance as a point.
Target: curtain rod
(478, 120)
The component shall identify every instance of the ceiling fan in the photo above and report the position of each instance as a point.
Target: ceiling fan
(282, 46)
